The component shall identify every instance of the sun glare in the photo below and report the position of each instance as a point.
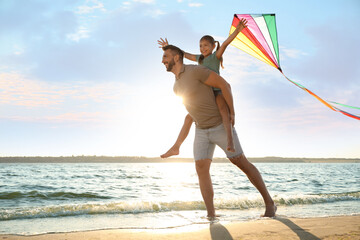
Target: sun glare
(178, 175)
(154, 122)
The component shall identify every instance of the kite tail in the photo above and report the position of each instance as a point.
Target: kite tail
(344, 105)
(326, 103)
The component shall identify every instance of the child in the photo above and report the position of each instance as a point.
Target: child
(211, 60)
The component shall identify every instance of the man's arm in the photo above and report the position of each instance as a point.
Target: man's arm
(214, 80)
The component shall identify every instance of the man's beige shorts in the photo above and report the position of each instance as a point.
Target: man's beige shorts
(206, 140)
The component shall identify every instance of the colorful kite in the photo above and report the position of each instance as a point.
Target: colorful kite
(259, 40)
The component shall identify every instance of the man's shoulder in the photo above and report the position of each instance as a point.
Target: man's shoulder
(197, 72)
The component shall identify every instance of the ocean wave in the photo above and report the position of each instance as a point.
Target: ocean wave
(49, 195)
(136, 207)
(317, 198)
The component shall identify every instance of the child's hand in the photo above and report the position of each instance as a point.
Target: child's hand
(232, 119)
(242, 24)
(232, 116)
(163, 43)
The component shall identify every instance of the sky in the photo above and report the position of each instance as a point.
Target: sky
(85, 77)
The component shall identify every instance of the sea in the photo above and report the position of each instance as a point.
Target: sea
(38, 198)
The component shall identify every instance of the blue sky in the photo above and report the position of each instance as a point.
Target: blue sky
(85, 77)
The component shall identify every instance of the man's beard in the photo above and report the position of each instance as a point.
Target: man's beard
(170, 65)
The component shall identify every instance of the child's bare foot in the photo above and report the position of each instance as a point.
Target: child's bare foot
(172, 151)
(270, 211)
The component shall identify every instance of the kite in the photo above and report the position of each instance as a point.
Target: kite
(260, 40)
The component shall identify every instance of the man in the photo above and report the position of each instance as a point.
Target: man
(194, 84)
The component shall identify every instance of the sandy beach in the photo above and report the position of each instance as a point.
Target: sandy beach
(343, 227)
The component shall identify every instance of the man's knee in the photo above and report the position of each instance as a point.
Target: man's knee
(239, 161)
(203, 166)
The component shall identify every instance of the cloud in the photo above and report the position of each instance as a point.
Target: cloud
(62, 49)
(17, 90)
(155, 13)
(195, 4)
(94, 5)
(81, 33)
(335, 62)
(144, 1)
(70, 117)
(291, 53)
(32, 21)
(131, 4)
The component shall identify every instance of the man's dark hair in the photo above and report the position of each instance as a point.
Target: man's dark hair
(175, 51)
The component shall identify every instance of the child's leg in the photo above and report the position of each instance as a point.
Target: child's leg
(174, 150)
(224, 111)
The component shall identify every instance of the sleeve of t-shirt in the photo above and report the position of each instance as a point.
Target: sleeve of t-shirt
(202, 73)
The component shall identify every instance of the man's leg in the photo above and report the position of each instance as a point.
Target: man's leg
(206, 188)
(255, 178)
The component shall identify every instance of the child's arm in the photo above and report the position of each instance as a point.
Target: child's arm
(174, 150)
(239, 28)
(188, 56)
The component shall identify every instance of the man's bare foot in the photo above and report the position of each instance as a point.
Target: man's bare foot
(270, 211)
(214, 218)
(172, 151)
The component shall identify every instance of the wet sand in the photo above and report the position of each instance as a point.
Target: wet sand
(343, 227)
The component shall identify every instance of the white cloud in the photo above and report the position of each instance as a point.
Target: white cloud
(69, 117)
(335, 62)
(94, 4)
(291, 53)
(155, 13)
(18, 50)
(128, 6)
(17, 90)
(145, 1)
(81, 33)
(195, 4)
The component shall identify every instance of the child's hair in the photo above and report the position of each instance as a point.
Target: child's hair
(212, 41)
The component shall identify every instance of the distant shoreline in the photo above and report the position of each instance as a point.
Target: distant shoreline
(134, 159)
